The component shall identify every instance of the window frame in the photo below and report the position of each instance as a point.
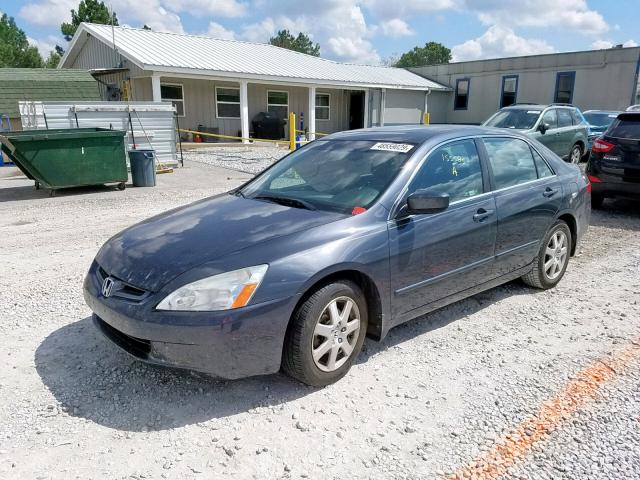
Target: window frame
(227, 102)
(456, 94)
(286, 118)
(328, 107)
(162, 99)
(570, 74)
(515, 94)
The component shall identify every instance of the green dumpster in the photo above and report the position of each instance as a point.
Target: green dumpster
(68, 157)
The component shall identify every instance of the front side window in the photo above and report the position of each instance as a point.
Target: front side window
(564, 87)
(174, 94)
(509, 90)
(461, 100)
(323, 106)
(334, 175)
(278, 103)
(550, 118)
(227, 102)
(564, 118)
(454, 169)
(511, 161)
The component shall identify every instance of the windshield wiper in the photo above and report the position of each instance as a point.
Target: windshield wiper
(287, 201)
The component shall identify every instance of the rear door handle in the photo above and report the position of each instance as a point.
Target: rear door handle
(549, 192)
(482, 214)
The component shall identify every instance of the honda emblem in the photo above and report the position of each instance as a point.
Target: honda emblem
(107, 287)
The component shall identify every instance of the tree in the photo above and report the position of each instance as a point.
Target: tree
(91, 11)
(302, 43)
(53, 59)
(15, 50)
(432, 53)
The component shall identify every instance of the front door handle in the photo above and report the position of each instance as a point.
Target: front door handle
(549, 192)
(482, 214)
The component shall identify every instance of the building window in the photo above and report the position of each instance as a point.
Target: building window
(227, 102)
(564, 87)
(322, 106)
(461, 100)
(278, 103)
(174, 93)
(509, 90)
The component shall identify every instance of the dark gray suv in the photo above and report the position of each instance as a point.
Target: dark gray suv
(559, 127)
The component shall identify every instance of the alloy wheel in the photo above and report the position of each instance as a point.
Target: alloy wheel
(335, 334)
(576, 154)
(555, 255)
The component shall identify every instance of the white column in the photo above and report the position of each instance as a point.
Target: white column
(383, 102)
(366, 108)
(311, 119)
(244, 111)
(155, 88)
(426, 104)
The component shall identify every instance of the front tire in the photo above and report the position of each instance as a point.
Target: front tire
(552, 259)
(326, 334)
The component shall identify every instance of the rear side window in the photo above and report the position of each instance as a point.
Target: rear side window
(564, 118)
(550, 118)
(453, 168)
(625, 126)
(543, 169)
(511, 161)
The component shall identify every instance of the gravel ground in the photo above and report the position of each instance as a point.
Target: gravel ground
(430, 398)
(247, 159)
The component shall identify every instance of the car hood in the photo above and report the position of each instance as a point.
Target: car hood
(150, 254)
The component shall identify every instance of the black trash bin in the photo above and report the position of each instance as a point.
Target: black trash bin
(143, 167)
(268, 126)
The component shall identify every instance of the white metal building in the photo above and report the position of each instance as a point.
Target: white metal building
(223, 84)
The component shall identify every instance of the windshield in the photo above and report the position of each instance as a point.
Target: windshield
(517, 118)
(600, 119)
(337, 175)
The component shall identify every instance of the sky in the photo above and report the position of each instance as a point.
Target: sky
(368, 31)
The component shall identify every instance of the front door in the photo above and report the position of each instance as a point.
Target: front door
(528, 195)
(550, 137)
(436, 255)
(356, 110)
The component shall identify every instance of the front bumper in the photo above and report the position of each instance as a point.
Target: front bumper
(228, 344)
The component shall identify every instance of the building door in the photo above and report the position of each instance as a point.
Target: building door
(356, 110)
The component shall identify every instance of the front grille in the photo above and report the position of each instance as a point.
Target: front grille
(122, 289)
(137, 347)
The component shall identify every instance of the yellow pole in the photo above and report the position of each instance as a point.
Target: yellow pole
(426, 118)
(292, 131)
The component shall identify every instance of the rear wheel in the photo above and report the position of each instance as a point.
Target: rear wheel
(552, 259)
(326, 334)
(122, 186)
(596, 201)
(576, 154)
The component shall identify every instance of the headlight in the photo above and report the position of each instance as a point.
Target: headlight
(221, 292)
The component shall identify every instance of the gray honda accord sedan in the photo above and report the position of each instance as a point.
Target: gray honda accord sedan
(344, 238)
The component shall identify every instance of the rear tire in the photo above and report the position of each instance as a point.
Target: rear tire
(552, 259)
(596, 201)
(326, 334)
(122, 186)
(576, 154)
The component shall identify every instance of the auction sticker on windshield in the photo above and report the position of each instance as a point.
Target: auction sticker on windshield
(392, 147)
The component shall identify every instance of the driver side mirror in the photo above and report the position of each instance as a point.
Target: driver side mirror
(424, 201)
(543, 127)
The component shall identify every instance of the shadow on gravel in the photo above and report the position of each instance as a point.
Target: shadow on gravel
(617, 213)
(95, 380)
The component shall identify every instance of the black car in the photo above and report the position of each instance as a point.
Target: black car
(614, 166)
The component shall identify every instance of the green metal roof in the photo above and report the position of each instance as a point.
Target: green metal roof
(44, 84)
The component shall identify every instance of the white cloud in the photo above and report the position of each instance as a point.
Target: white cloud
(219, 8)
(406, 8)
(565, 14)
(604, 44)
(48, 12)
(218, 31)
(498, 42)
(395, 28)
(44, 45)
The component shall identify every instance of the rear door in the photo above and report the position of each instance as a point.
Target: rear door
(436, 255)
(566, 132)
(528, 195)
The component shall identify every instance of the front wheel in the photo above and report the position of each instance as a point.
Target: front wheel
(326, 334)
(576, 154)
(552, 259)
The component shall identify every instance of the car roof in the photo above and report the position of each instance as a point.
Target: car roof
(536, 106)
(602, 111)
(418, 134)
